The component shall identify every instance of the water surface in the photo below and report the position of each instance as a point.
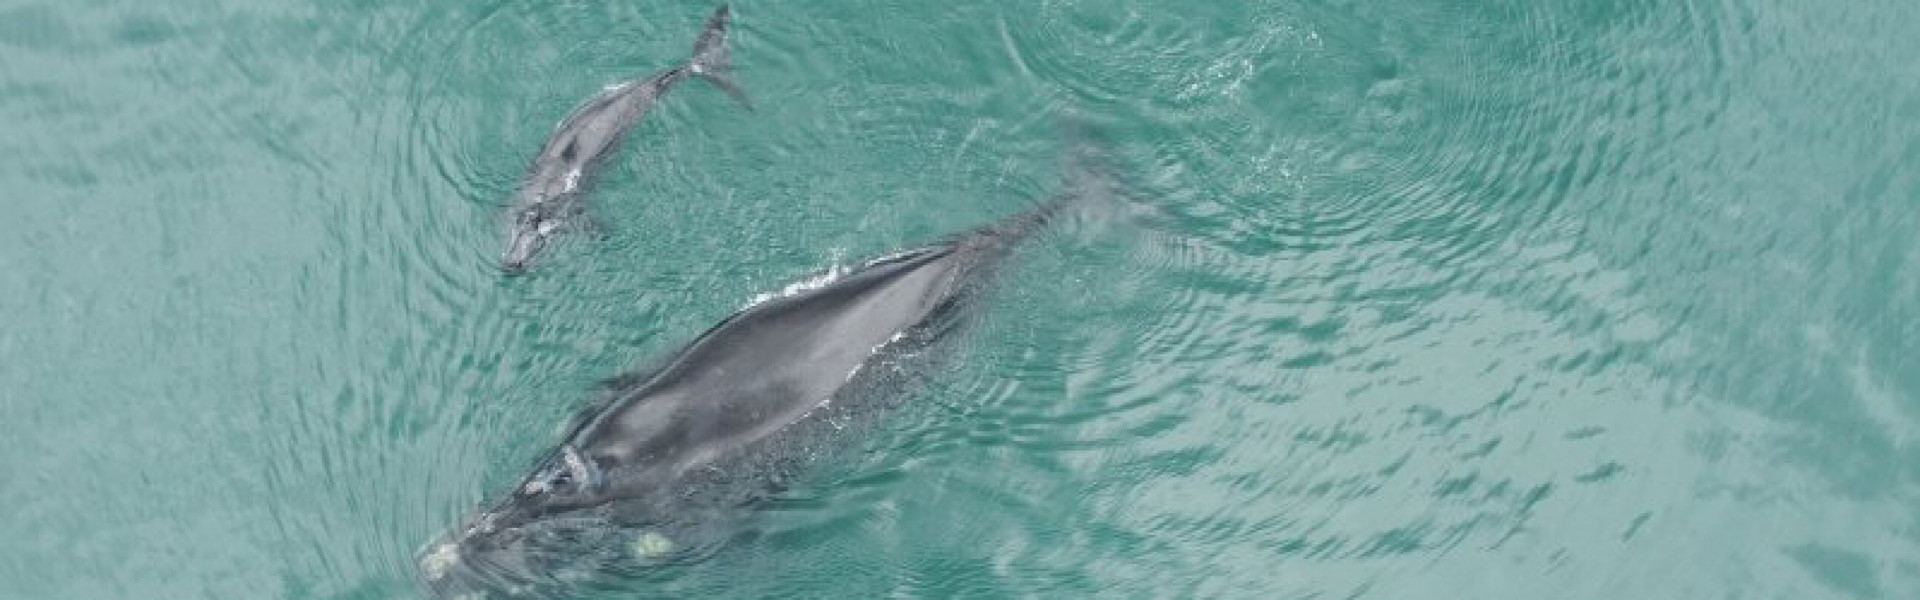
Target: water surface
(1424, 299)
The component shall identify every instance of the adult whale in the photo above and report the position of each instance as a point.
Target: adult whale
(549, 199)
(722, 421)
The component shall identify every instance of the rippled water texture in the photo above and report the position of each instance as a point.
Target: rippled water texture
(1419, 300)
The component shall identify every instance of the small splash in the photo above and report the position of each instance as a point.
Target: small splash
(870, 354)
(832, 274)
(890, 256)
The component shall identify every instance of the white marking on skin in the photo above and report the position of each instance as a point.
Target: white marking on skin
(572, 181)
(574, 463)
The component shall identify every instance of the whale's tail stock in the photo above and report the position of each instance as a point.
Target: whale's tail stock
(712, 61)
(1088, 179)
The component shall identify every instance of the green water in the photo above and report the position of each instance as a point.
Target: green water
(1424, 299)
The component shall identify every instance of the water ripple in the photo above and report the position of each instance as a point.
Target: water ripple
(1419, 299)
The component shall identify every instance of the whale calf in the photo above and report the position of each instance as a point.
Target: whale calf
(724, 420)
(549, 199)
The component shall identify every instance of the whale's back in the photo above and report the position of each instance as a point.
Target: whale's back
(771, 364)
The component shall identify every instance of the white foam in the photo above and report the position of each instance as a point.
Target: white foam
(832, 274)
(887, 257)
(436, 563)
(870, 354)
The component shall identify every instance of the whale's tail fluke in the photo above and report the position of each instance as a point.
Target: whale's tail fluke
(711, 60)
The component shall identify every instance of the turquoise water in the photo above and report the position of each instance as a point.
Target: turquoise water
(1423, 299)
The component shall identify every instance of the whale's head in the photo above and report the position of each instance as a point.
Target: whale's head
(556, 529)
(532, 228)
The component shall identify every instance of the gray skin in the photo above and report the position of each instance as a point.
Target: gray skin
(550, 199)
(693, 438)
(708, 430)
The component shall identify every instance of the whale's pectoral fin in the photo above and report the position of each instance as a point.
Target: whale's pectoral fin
(711, 59)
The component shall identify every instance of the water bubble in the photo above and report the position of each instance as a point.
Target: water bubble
(651, 545)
